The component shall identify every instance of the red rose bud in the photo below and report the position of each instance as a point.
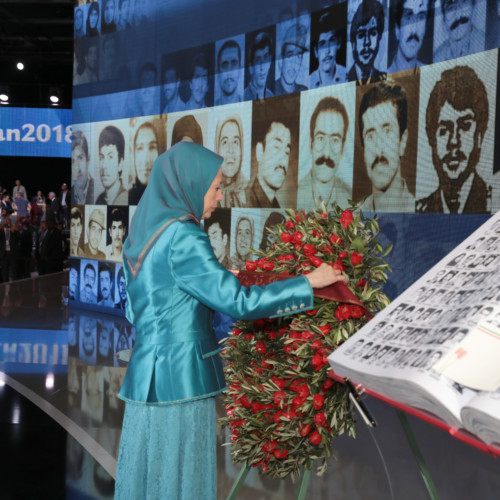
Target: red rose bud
(289, 224)
(343, 255)
(361, 283)
(356, 258)
(318, 401)
(309, 249)
(260, 347)
(280, 454)
(297, 236)
(286, 237)
(346, 218)
(315, 438)
(316, 261)
(320, 419)
(335, 240)
(304, 429)
(278, 396)
(250, 265)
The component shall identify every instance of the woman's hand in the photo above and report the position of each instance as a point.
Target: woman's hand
(325, 275)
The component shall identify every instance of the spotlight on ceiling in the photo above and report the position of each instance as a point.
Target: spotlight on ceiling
(54, 96)
(20, 66)
(4, 95)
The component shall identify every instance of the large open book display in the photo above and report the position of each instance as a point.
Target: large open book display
(435, 351)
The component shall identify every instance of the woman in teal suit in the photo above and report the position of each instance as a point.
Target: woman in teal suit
(174, 283)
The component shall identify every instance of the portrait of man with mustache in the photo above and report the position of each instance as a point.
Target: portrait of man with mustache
(274, 153)
(382, 121)
(106, 284)
(367, 28)
(460, 36)
(456, 121)
(410, 24)
(328, 130)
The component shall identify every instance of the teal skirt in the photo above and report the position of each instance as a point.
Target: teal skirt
(168, 452)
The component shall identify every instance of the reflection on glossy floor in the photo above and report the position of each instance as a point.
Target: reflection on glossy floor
(63, 361)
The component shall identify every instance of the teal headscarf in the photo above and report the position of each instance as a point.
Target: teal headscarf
(176, 190)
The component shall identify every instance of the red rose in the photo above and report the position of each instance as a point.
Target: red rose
(249, 336)
(260, 347)
(327, 384)
(318, 401)
(279, 382)
(250, 265)
(304, 429)
(287, 349)
(317, 362)
(309, 249)
(298, 401)
(356, 312)
(317, 234)
(307, 336)
(361, 283)
(298, 246)
(316, 261)
(320, 419)
(256, 407)
(267, 265)
(286, 237)
(244, 401)
(269, 446)
(272, 335)
(356, 258)
(297, 236)
(325, 329)
(327, 249)
(338, 264)
(298, 218)
(334, 239)
(315, 438)
(236, 332)
(283, 331)
(342, 312)
(317, 344)
(312, 312)
(303, 390)
(343, 255)
(289, 224)
(280, 454)
(346, 218)
(278, 397)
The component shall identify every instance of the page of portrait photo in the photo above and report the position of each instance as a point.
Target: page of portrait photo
(436, 347)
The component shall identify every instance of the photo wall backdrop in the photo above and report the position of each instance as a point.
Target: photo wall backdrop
(390, 103)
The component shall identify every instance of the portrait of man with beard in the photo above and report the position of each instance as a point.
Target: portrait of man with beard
(328, 131)
(410, 25)
(106, 284)
(367, 28)
(456, 122)
(459, 36)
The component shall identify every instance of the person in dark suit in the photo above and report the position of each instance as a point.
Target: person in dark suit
(367, 27)
(456, 121)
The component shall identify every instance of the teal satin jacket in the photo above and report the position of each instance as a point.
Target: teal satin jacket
(171, 304)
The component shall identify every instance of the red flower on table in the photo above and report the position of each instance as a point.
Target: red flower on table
(244, 401)
(303, 390)
(342, 255)
(286, 237)
(316, 261)
(304, 429)
(325, 329)
(339, 265)
(356, 312)
(297, 236)
(280, 453)
(343, 312)
(289, 224)
(346, 218)
(279, 381)
(309, 249)
(318, 361)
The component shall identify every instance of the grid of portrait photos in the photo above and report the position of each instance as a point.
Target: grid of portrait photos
(388, 103)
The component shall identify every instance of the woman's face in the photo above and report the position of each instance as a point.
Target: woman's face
(243, 238)
(212, 196)
(146, 152)
(230, 149)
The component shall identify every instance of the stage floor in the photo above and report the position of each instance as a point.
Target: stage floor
(60, 419)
